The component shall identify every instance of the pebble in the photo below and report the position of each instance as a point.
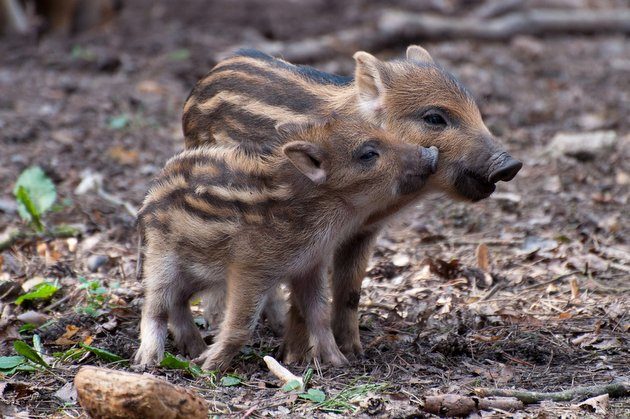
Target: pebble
(96, 261)
(400, 260)
(583, 146)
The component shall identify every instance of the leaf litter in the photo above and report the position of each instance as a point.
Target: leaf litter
(528, 289)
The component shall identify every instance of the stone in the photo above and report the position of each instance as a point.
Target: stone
(583, 146)
(96, 261)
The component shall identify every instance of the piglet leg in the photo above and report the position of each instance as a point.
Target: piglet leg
(350, 263)
(246, 295)
(309, 298)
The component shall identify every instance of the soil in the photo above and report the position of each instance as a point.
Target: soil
(549, 313)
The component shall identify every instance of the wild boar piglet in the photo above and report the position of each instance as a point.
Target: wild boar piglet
(219, 219)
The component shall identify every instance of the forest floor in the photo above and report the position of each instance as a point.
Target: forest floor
(547, 310)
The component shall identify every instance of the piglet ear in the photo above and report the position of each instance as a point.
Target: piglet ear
(368, 76)
(417, 53)
(307, 158)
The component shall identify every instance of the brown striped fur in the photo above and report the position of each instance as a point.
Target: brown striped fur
(222, 221)
(245, 96)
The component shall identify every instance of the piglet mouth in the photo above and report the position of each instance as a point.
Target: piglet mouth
(473, 185)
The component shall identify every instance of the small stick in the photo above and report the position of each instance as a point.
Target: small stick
(551, 281)
(282, 373)
(456, 405)
(619, 389)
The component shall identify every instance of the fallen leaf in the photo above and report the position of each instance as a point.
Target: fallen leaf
(597, 405)
(64, 340)
(123, 156)
(447, 270)
(33, 317)
(575, 289)
(67, 393)
(31, 283)
(150, 86)
(483, 258)
(533, 244)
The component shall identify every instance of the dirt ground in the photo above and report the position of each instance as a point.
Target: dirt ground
(550, 314)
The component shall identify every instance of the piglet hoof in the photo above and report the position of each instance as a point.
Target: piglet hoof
(147, 357)
(193, 348)
(214, 358)
(352, 350)
(333, 356)
(291, 357)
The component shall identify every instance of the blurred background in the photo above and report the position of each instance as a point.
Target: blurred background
(92, 92)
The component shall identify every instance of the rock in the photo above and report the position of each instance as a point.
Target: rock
(583, 146)
(107, 393)
(33, 317)
(400, 260)
(96, 261)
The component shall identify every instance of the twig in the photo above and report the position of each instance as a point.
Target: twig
(94, 181)
(533, 22)
(620, 389)
(456, 405)
(58, 232)
(491, 8)
(14, 15)
(59, 302)
(116, 201)
(395, 27)
(282, 373)
(551, 281)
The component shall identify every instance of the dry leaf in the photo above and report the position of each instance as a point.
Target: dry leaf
(565, 315)
(64, 340)
(483, 258)
(597, 405)
(149, 86)
(575, 289)
(123, 156)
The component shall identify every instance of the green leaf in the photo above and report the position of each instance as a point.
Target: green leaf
(103, 354)
(42, 291)
(37, 344)
(23, 348)
(80, 53)
(72, 353)
(35, 193)
(230, 381)
(175, 363)
(179, 55)
(9, 365)
(27, 209)
(27, 327)
(307, 377)
(172, 362)
(314, 395)
(9, 362)
(119, 122)
(292, 385)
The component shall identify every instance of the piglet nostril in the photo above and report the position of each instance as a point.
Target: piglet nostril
(506, 172)
(430, 156)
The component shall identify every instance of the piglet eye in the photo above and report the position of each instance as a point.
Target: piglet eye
(434, 119)
(369, 155)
